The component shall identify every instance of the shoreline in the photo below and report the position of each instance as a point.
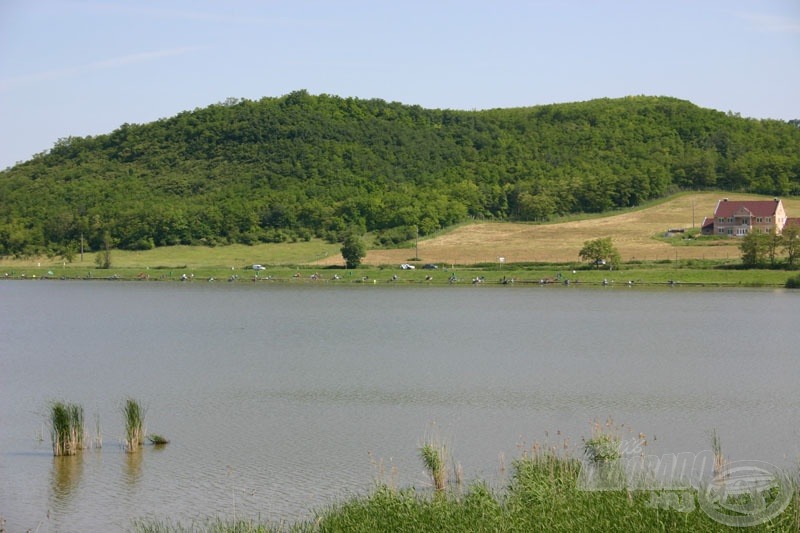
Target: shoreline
(383, 281)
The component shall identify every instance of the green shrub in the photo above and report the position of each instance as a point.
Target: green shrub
(793, 282)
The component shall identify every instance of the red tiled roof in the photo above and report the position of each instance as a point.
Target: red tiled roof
(707, 222)
(792, 222)
(759, 208)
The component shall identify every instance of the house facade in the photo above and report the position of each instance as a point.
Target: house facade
(737, 218)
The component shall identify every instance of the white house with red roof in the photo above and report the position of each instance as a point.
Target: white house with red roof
(737, 218)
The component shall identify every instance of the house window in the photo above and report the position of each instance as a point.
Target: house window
(721, 230)
(730, 219)
(720, 220)
(769, 219)
(730, 231)
(760, 220)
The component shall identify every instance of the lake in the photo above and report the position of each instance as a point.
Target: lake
(282, 399)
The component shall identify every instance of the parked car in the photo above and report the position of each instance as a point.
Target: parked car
(430, 266)
(258, 267)
(406, 266)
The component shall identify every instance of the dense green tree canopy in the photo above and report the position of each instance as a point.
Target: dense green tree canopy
(301, 165)
(353, 250)
(754, 248)
(600, 252)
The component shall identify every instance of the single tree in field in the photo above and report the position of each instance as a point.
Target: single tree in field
(353, 250)
(600, 251)
(791, 242)
(103, 257)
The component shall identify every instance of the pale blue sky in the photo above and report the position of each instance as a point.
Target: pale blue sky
(75, 67)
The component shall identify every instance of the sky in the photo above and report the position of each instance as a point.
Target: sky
(85, 67)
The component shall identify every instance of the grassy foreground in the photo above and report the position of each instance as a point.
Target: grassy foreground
(543, 495)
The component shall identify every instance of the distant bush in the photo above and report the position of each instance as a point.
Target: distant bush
(793, 282)
(396, 236)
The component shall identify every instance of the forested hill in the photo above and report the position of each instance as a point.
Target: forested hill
(301, 165)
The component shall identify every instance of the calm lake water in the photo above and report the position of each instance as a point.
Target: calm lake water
(282, 399)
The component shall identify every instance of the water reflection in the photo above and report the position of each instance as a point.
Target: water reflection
(66, 476)
(133, 467)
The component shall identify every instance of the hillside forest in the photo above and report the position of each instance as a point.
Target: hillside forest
(302, 166)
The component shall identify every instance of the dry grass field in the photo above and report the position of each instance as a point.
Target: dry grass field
(632, 232)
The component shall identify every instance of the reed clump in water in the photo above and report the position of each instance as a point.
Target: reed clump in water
(158, 440)
(719, 458)
(434, 458)
(66, 428)
(134, 425)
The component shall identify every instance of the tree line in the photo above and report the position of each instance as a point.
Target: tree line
(302, 166)
(768, 249)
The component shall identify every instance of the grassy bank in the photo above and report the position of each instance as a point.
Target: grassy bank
(544, 495)
(638, 273)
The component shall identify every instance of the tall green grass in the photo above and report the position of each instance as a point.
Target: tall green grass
(604, 446)
(67, 433)
(134, 425)
(543, 495)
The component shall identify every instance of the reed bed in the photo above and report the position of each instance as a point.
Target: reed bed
(67, 433)
(434, 458)
(134, 415)
(97, 440)
(719, 457)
